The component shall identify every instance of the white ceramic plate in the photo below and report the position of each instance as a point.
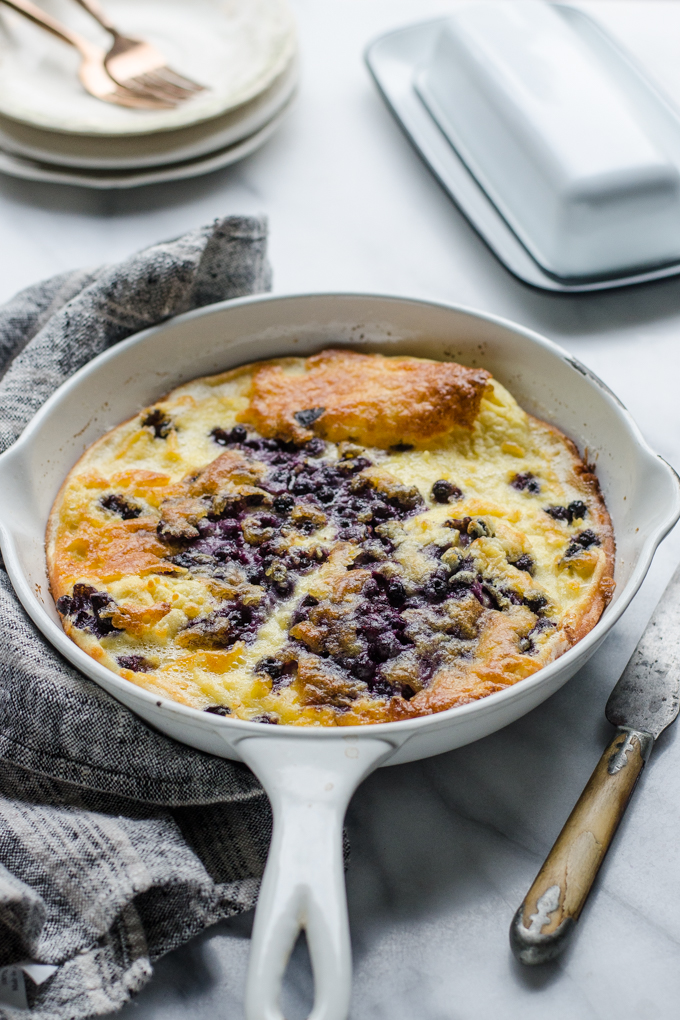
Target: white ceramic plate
(236, 48)
(310, 773)
(30, 170)
(124, 152)
(395, 58)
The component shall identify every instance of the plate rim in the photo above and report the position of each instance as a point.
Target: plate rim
(29, 170)
(281, 91)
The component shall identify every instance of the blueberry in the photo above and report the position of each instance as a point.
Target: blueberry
(385, 646)
(284, 503)
(395, 592)
(303, 484)
(526, 482)
(159, 422)
(582, 541)
(524, 562)
(577, 510)
(308, 416)
(137, 663)
(536, 602)
(363, 667)
(267, 717)
(271, 666)
(445, 492)
(280, 477)
(121, 506)
(574, 512)
(218, 709)
(315, 447)
(558, 513)
(435, 590)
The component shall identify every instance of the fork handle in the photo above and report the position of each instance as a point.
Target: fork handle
(542, 925)
(45, 20)
(94, 8)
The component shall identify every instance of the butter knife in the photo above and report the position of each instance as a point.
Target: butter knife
(643, 703)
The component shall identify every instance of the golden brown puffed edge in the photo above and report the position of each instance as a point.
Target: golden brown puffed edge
(587, 483)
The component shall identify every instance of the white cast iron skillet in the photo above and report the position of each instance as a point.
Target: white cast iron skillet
(310, 774)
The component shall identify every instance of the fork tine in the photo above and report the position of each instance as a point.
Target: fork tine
(161, 82)
(173, 77)
(149, 83)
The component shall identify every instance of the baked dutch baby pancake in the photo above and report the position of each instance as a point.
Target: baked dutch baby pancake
(334, 540)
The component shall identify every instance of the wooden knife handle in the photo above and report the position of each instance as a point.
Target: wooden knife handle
(541, 926)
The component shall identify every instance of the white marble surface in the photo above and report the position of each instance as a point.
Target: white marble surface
(443, 849)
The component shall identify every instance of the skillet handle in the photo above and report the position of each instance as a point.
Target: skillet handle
(309, 782)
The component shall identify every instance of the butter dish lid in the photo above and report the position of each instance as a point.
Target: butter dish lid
(556, 140)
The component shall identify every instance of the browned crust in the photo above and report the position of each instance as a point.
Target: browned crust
(602, 591)
(369, 398)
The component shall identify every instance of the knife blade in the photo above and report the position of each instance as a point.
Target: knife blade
(643, 703)
(647, 696)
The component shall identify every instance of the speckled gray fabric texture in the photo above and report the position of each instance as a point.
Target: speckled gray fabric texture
(116, 843)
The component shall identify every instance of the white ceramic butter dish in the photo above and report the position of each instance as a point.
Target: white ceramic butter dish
(552, 139)
(549, 137)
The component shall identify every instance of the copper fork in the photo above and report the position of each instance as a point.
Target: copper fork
(139, 66)
(92, 73)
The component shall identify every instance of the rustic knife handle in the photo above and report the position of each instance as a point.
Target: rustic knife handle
(542, 924)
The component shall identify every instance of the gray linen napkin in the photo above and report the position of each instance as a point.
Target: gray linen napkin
(116, 843)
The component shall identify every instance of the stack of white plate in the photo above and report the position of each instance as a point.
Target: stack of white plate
(243, 51)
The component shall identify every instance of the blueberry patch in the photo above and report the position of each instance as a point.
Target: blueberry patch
(385, 638)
